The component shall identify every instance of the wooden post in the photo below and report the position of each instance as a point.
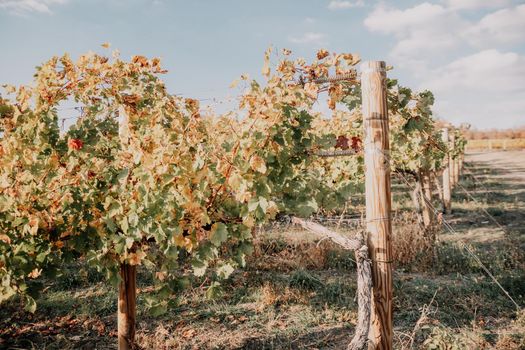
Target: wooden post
(435, 177)
(126, 313)
(452, 161)
(126, 307)
(446, 175)
(417, 200)
(378, 200)
(426, 196)
(456, 170)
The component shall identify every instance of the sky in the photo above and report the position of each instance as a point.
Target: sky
(469, 53)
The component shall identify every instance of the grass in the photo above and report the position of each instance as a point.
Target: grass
(297, 293)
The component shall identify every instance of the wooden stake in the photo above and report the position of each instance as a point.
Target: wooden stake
(426, 196)
(435, 177)
(126, 313)
(452, 161)
(456, 170)
(446, 176)
(127, 307)
(378, 199)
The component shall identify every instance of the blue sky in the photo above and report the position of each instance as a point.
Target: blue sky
(471, 53)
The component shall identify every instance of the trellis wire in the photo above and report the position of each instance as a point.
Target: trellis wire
(466, 247)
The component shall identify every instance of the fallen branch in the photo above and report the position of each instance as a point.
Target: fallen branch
(364, 278)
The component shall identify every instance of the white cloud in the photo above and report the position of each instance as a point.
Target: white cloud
(506, 26)
(426, 30)
(26, 6)
(394, 21)
(342, 5)
(488, 70)
(474, 66)
(485, 89)
(420, 30)
(475, 4)
(308, 38)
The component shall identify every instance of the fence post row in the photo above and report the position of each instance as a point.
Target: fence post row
(378, 199)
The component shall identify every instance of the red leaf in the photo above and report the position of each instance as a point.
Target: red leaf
(342, 142)
(75, 144)
(356, 143)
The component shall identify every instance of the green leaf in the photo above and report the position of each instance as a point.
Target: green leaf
(219, 234)
(214, 291)
(30, 304)
(225, 270)
(158, 309)
(199, 267)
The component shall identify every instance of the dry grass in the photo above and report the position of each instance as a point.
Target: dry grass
(410, 243)
(496, 144)
(272, 295)
(280, 255)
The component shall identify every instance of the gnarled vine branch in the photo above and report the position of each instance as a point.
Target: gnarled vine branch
(364, 277)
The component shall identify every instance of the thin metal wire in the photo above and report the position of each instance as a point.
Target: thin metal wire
(350, 76)
(463, 245)
(492, 218)
(471, 174)
(447, 225)
(336, 153)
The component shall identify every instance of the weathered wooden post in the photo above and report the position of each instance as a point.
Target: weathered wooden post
(127, 307)
(452, 160)
(456, 162)
(126, 313)
(378, 200)
(446, 175)
(426, 197)
(436, 175)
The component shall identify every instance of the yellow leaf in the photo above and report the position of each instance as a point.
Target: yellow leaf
(136, 258)
(322, 54)
(235, 181)
(35, 273)
(266, 66)
(311, 90)
(160, 275)
(258, 164)
(249, 221)
(234, 83)
(9, 88)
(33, 225)
(106, 45)
(5, 238)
